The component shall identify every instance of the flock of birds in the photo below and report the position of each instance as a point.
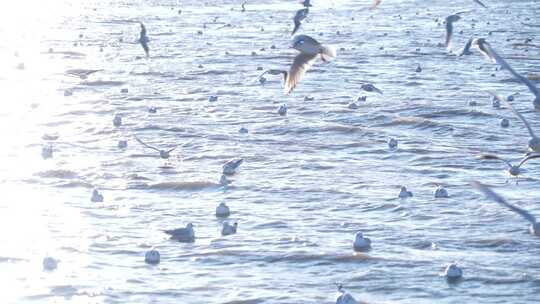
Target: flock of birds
(309, 51)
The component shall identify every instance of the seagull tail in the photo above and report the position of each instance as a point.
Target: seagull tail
(328, 52)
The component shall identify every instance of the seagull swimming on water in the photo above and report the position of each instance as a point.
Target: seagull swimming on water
(534, 228)
(143, 40)
(186, 235)
(298, 18)
(486, 49)
(165, 154)
(309, 50)
(344, 297)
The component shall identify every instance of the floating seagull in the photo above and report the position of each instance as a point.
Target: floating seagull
(47, 151)
(228, 229)
(467, 49)
(81, 73)
(368, 87)
(143, 40)
(96, 196)
(450, 28)
(440, 192)
(512, 170)
(165, 154)
(117, 120)
(534, 228)
(49, 263)
(309, 50)
(223, 210)
(392, 143)
(282, 109)
(453, 272)
(534, 142)
(186, 235)
(403, 193)
(152, 257)
(486, 49)
(229, 168)
(344, 297)
(298, 18)
(361, 243)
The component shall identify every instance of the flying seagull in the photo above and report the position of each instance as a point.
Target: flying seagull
(165, 154)
(309, 50)
(512, 170)
(485, 48)
(534, 228)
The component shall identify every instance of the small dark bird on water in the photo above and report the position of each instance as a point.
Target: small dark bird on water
(143, 40)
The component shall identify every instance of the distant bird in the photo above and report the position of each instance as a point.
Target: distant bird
(306, 3)
(467, 48)
(345, 297)
(534, 141)
(81, 73)
(165, 154)
(143, 40)
(244, 6)
(222, 210)
(152, 257)
(49, 263)
(117, 120)
(185, 235)
(404, 193)
(392, 143)
(453, 272)
(309, 50)
(361, 243)
(229, 168)
(534, 228)
(47, 151)
(228, 229)
(298, 18)
(375, 4)
(282, 109)
(450, 28)
(440, 192)
(368, 87)
(96, 196)
(514, 170)
(485, 48)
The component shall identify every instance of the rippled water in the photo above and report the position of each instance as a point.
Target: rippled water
(309, 180)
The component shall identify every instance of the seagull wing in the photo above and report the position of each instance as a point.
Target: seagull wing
(495, 157)
(375, 4)
(494, 56)
(146, 145)
(495, 197)
(480, 3)
(449, 32)
(301, 63)
(531, 132)
(526, 158)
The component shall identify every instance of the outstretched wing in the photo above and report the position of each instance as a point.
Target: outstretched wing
(300, 65)
(480, 3)
(531, 132)
(497, 198)
(146, 145)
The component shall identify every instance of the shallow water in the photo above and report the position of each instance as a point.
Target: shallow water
(309, 180)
